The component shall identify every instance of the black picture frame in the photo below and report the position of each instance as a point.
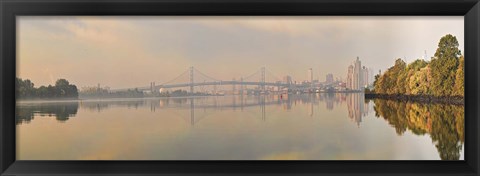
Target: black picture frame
(9, 9)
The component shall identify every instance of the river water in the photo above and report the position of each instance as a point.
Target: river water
(340, 126)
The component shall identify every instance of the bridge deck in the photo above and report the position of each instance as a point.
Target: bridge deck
(207, 84)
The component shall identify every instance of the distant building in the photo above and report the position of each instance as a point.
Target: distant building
(329, 79)
(287, 79)
(350, 77)
(152, 87)
(95, 89)
(357, 77)
(310, 75)
(365, 75)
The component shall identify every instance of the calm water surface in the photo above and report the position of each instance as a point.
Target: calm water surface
(298, 127)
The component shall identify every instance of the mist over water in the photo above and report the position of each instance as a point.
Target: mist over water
(272, 127)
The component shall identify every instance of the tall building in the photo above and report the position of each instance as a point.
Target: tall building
(310, 75)
(365, 76)
(350, 77)
(329, 79)
(287, 79)
(355, 75)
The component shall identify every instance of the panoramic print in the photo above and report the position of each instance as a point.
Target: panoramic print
(240, 88)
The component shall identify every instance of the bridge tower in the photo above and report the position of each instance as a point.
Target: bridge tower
(192, 111)
(234, 86)
(241, 93)
(263, 79)
(241, 86)
(153, 87)
(215, 89)
(191, 80)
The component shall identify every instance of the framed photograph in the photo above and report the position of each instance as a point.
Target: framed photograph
(239, 87)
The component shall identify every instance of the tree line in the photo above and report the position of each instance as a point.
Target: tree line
(443, 76)
(25, 89)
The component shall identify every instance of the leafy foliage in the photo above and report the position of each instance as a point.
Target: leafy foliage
(442, 77)
(63, 89)
(459, 87)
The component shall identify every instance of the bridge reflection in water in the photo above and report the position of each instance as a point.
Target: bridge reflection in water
(355, 103)
(65, 110)
(444, 124)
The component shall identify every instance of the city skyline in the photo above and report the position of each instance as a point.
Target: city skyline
(134, 51)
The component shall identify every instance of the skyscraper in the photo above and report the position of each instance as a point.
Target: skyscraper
(329, 79)
(365, 76)
(355, 75)
(310, 75)
(287, 79)
(350, 77)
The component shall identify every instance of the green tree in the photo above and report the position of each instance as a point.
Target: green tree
(414, 78)
(62, 89)
(459, 87)
(444, 66)
(378, 84)
(391, 78)
(65, 89)
(402, 83)
(42, 92)
(25, 88)
(52, 92)
(418, 83)
(375, 82)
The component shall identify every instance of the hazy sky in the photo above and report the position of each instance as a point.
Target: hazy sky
(125, 52)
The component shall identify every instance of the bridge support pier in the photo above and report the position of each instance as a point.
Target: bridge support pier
(234, 86)
(191, 80)
(263, 79)
(241, 86)
(192, 111)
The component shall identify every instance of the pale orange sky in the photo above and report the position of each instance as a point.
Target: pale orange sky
(123, 52)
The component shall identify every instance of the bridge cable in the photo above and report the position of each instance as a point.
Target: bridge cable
(209, 77)
(249, 76)
(273, 75)
(186, 71)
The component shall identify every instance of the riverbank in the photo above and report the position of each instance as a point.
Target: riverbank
(417, 98)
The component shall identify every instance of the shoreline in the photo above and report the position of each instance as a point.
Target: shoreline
(418, 98)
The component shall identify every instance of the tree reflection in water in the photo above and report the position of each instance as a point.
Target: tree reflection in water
(444, 123)
(61, 111)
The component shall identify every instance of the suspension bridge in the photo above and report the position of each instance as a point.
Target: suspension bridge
(196, 78)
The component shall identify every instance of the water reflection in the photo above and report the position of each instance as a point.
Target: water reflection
(356, 107)
(444, 123)
(61, 111)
